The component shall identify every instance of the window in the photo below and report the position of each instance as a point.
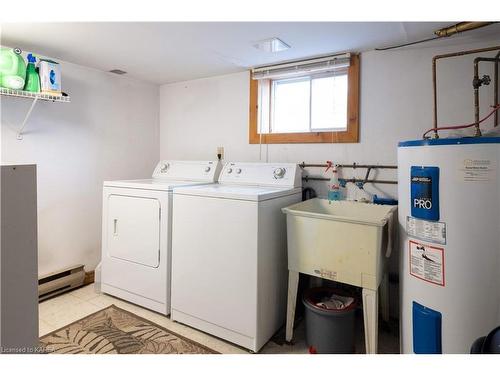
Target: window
(309, 107)
(306, 104)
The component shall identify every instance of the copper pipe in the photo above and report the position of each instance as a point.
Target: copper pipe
(477, 83)
(434, 103)
(442, 33)
(434, 78)
(460, 27)
(495, 95)
(476, 112)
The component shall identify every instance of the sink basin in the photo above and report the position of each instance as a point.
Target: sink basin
(343, 241)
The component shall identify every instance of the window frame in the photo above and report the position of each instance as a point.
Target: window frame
(350, 135)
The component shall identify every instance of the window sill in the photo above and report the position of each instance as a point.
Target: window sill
(319, 137)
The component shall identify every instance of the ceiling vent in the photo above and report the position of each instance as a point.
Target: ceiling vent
(271, 45)
(118, 71)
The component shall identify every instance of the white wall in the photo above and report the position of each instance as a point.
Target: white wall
(109, 131)
(396, 104)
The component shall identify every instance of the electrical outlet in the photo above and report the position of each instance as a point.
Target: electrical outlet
(220, 152)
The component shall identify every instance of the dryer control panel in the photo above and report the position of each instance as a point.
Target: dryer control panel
(187, 170)
(262, 174)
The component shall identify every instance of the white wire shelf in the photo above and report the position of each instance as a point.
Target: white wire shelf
(34, 95)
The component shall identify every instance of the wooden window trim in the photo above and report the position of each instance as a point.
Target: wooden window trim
(351, 135)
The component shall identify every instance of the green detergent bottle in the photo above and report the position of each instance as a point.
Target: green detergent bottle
(32, 79)
(12, 68)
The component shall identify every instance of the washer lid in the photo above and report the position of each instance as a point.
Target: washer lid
(238, 192)
(151, 184)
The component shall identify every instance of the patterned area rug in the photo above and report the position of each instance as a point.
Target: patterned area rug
(117, 331)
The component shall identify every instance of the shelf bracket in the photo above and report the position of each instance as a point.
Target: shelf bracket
(23, 125)
(36, 96)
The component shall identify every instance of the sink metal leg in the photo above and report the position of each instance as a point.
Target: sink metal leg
(293, 285)
(384, 297)
(370, 317)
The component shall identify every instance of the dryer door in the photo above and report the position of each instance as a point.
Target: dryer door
(134, 229)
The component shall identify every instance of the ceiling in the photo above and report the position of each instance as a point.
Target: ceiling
(167, 52)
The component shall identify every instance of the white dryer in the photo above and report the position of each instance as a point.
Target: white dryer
(229, 265)
(136, 232)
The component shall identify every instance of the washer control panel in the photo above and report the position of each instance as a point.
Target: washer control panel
(265, 174)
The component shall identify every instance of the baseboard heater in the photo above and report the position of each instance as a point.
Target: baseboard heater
(60, 281)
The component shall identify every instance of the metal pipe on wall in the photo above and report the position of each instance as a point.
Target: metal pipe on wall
(443, 33)
(353, 180)
(434, 78)
(460, 28)
(353, 166)
(478, 82)
(495, 95)
(369, 167)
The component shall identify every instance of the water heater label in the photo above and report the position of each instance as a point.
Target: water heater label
(477, 170)
(426, 262)
(424, 192)
(431, 231)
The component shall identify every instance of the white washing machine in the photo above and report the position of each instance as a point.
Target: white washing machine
(136, 232)
(229, 256)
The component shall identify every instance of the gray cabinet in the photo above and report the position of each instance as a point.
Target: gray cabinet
(18, 260)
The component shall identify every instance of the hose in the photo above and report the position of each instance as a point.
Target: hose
(454, 127)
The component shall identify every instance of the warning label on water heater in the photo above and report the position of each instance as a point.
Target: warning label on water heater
(426, 262)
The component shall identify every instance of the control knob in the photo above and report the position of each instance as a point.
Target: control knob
(164, 167)
(279, 172)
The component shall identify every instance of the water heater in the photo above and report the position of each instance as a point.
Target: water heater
(449, 218)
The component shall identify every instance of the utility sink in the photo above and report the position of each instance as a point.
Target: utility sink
(343, 241)
(338, 240)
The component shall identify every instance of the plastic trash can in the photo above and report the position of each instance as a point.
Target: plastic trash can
(328, 330)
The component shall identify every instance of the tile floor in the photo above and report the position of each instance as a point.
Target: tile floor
(69, 307)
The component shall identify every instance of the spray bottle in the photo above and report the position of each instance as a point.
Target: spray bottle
(32, 79)
(334, 193)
